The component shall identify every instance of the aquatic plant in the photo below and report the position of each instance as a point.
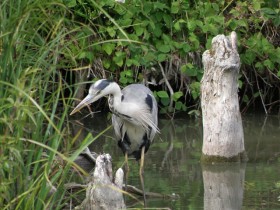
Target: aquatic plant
(37, 40)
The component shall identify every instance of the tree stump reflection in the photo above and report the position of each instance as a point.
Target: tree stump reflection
(223, 186)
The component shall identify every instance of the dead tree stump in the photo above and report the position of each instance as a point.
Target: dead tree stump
(102, 191)
(223, 138)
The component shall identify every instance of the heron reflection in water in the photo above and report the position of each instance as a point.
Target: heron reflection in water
(135, 117)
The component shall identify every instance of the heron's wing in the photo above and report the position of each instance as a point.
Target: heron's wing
(117, 124)
(145, 106)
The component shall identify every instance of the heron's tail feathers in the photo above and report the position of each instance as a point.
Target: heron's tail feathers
(147, 121)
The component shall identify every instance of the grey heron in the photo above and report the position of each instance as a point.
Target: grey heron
(134, 117)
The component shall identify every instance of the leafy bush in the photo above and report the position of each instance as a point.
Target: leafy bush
(140, 35)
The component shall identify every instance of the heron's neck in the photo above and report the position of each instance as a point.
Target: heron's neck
(116, 96)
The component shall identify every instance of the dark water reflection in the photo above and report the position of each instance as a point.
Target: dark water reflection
(172, 165)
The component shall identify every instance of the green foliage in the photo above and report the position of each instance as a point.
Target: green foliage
(126, 77)
(163, 98)
(166, 100)
(40, 38)
(142, 34)
(36, 41)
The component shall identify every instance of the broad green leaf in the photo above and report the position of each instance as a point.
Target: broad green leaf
(189, 70)
(70, 3)
(167, 19)
(177, 45)
(250, 57)
(163, 110)
(199, 23)
(86, 54)
(157, 31)
(161, 57)
(147, 7)
(177, 95)
(144, 48)
(259, 66)
(139, 30)
(165, 101)
(163, 48)
(166, 38)
(150, 56)
(257, 94)
(243, 23)
(118, 60)
(177, 25)
(191, 25)
(186, 47)
(123, 80)
(184, 107)
(162, 94)
(82, 55)
(152, 24)
(123, 74)
(175, 7)
(256, 5)
(195, 94)
(159, 5)
(158, 16)
(106, 63)
(193, 38)
(130, 62)
(266, 45)
(195, 89)
(178, 105)
(125, 22)
(268, 12)
(245, 99)
(200, 73)
(108, 48)
(240, 84)
(129, 73)
(111, 31)
(269, 64)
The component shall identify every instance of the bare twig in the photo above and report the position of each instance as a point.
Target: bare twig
(167, 84)
(265, 110)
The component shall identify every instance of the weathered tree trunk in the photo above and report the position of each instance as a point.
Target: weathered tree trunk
(223, 187)
(103, 192)
(223, 138)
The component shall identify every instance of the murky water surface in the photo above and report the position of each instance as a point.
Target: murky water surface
(172, 166)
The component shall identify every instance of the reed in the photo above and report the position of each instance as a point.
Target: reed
(37, 39)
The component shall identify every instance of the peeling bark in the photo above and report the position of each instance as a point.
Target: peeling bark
(222, 125)
(102, 191)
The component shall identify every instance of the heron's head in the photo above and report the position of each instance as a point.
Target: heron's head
(97, 90)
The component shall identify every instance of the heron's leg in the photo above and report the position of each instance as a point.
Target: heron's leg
(126, 170)
(141, 173)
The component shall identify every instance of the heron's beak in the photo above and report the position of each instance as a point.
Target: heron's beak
(85, 102)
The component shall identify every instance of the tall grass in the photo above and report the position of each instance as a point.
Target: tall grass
(38, 38)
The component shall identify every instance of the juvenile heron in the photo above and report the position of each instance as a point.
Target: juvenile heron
(134, 117)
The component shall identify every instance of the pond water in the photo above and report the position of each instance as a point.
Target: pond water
(172, 166)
